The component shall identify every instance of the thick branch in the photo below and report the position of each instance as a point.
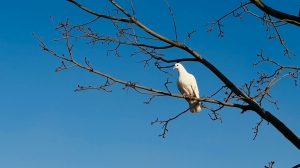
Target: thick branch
(283, 129)
(295, 20)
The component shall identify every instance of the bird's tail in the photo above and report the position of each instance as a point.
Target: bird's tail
(195, 106)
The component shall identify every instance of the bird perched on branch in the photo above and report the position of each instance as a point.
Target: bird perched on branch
(187, 85)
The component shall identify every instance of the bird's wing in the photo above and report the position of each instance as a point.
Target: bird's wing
(193, 84)
(180, 87)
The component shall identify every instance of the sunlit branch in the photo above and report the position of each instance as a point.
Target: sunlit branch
(286, 50)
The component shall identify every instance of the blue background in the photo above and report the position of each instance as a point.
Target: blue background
(44, 123)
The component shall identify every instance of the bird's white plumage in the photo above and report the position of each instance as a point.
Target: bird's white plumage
(187, 85)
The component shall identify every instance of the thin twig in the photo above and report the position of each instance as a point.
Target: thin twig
(166, 122)
(173, 19)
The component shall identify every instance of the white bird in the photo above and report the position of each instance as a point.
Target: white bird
(187, 85)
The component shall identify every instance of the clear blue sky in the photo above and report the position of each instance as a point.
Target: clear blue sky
(44, 123)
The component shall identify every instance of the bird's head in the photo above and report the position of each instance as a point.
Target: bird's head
(177, 66)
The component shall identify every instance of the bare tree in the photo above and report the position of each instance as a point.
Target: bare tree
(131, 32)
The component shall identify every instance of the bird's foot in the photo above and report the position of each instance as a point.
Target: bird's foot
(186, 95)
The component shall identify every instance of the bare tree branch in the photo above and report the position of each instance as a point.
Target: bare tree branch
(270, 164)
(296, 166)
(286, 50)
(173, 19)
(295, 20)
(134, 85)
(166, 122)
(256, 128)
(98, 14)
(218, 21)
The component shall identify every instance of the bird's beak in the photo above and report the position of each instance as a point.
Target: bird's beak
(174, 67)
